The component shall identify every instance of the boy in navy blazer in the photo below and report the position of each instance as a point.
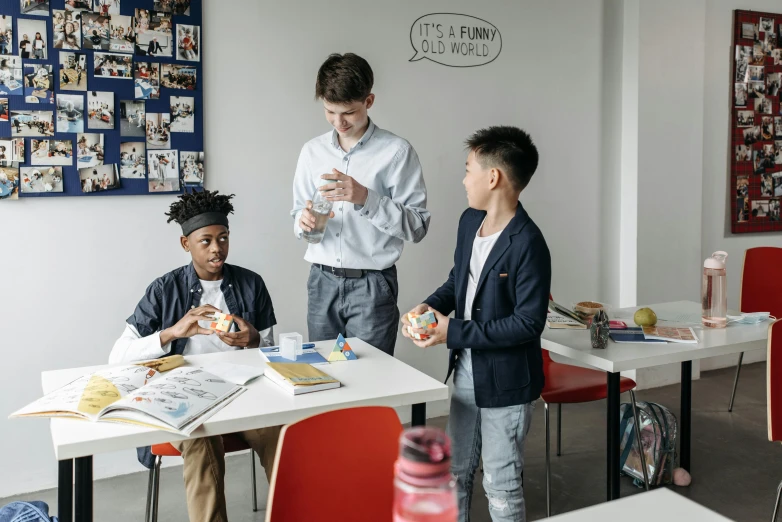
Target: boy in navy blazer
(499, 290)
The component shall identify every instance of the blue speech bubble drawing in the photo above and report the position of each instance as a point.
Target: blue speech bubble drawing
(455, 40)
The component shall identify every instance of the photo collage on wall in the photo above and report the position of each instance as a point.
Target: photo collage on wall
(756, 124)
(100, 96)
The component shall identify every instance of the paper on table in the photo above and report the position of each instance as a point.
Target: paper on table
(235, 373)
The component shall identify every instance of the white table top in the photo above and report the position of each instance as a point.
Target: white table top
(652, 506)
(375, 379)
(736, 338)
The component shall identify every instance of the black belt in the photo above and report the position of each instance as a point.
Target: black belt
(344, 272)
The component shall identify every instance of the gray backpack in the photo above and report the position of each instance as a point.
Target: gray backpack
(658, 436)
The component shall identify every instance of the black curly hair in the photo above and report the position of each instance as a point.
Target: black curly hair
(195, 203)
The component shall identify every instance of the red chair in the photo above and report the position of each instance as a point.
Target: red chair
(231, 442)
(759, 293)
(337, 466)
(774, 392)
(567, 384)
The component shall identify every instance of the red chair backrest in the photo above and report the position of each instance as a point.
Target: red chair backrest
(761, 290)
(774, 381)
(337, 466)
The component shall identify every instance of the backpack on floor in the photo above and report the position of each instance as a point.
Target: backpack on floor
(35, 511)
(658, 436)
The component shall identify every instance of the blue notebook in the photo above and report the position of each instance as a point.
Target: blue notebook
(631, 335)
(310, 355)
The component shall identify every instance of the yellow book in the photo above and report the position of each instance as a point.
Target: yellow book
(299, 378)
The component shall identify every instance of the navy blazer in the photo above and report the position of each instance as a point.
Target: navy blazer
(508, 313)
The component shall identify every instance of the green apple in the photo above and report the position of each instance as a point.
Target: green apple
(645, 317)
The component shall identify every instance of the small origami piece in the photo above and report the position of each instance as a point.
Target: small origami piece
(222, 322)
(426, 320)
(342, 351)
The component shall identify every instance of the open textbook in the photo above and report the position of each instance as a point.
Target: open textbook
(178, 401)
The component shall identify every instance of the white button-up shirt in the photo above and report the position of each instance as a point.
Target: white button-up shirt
(371, 236)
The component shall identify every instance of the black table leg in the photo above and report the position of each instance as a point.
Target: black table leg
(685, 421)
(419, 414)
(65, 490)
(612, 449)
(84, 489)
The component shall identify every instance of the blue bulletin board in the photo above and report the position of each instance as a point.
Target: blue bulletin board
(107, 52)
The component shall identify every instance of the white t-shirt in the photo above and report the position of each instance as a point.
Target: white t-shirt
(481, 248)
(211, 294)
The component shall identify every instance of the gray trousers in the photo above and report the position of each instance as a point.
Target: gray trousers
(363, 307)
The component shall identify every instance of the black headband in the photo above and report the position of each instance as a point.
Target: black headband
(204, 220)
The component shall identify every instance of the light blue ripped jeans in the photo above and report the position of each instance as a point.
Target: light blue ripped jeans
(501, 433)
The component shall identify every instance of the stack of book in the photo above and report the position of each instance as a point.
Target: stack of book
(297, 378)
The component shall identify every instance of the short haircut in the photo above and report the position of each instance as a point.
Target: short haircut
(344, 78)
(508, 148)
(194, 203)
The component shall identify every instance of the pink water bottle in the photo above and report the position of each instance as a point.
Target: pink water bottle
(424, 489)
(714, 291)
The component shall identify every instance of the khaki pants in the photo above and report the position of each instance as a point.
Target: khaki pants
(204, 470)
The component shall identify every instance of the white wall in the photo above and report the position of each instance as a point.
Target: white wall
(716, 164)
(80, 265)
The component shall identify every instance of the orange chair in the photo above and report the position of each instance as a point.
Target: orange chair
(774, 392)
(231, 442)
(759, 293)
(337, 466)
(566, 384)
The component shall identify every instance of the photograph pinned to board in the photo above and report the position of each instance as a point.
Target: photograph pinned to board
(78, 6)
(742, 70)
(106, 7)
(99, 178)
(773, 210)
(776, 54)
(759, 209)
(132, 118)
(163, 170)
(749, 31)
(188, 43)
(38, 83)
(3, 109)
(11, 80)
(51, 152)
(762, 161)
(742, 209)
(73, 71)
(756, 90)
(769, 43)
(182, 114)
(66, 28)
(31, 35)
(40, 179)
(758, 54)
(18, 145)
(743, 153)
(742, 186)
(9, 183)
(132, 160)
(778, 152)
(767, 186)
(178, 7)
(773, 82)
(178, 77)
(6, 35)
(122, 36)
(34, 7)
(191, 169)
(154, 45)
(751, 135)
(113, 65)
(95, 31)
(8, 153)
(89, 150)
(153, 33)
(32, 123)
(778, 126)
(777, 184)
(147, 80)
(745, 119)
(100, 107)
(740, 95)
(767, 127)
(158, 130)
(766, 24)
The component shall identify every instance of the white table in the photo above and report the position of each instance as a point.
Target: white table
(576, 345)
(652, 506)
(375, 379)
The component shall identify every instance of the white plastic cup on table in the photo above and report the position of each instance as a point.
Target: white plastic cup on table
(290, 346)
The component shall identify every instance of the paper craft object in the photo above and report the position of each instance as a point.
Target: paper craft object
(426, 320)
(222, 322)
(342, 351)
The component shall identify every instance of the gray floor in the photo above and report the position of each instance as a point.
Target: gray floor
(735, 469)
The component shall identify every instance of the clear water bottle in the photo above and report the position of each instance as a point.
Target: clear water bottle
(424, 489)
(714, 291)
(321, 208)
